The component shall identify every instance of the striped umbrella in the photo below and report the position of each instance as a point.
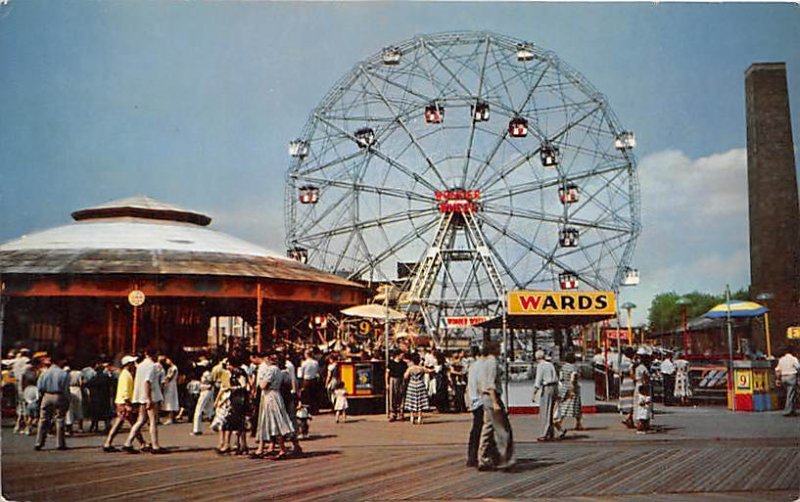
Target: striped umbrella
(738, 308)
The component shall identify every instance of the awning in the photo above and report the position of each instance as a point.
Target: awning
(542, 322)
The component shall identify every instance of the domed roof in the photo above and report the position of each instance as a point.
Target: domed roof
(141, 206)
(139, 235)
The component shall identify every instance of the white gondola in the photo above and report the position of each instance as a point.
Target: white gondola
(434, 113)
(569, 194)
(568, 237)
(365, 137)
(631, 277)
(298, 254)
(309, 194)
(568, 280)
(480, 111)
(518, 127)
(626, 140)
(524, 53)
(391, 56)
(298, 148)
(549, 155)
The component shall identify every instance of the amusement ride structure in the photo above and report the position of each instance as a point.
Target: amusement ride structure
(458, 167)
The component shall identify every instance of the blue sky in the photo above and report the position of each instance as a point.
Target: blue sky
(193, 103)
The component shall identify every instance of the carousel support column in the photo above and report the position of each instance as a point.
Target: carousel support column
(230, 334)
(2, 306)
(135, 328)
(258, 317)
(505, 353)
(110, 328)
(386, 355)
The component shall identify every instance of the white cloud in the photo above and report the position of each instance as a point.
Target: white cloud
(695, 225)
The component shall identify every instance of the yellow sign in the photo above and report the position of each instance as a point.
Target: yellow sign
(136, 298)
(561, 303)
(793, 332)
(760, 381)
(744, 383)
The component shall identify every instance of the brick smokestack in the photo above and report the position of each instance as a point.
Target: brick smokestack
(773, 198)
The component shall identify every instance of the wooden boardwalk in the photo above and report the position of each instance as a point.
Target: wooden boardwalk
(370, 459)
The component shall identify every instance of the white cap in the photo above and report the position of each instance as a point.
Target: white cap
(128, 360)
(539, 354)
(642, 351)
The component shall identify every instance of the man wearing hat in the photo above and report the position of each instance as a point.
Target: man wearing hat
(123, 403)
(546, 382)
(53, 387)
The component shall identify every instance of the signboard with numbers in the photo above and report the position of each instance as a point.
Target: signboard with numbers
(744, 381)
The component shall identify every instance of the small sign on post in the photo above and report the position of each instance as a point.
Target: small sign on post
(136, 298)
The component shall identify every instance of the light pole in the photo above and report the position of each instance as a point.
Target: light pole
(628, 306)
(766, 297)
(684, 302)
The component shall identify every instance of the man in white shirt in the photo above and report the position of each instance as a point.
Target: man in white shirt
(147, 396)
(667, 370)
(495, 420)
(786, 374)
(545, 383)
(309, 375)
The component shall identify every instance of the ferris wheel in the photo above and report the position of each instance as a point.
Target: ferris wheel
(461, 166)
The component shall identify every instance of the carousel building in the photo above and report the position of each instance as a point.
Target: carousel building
(75, 286)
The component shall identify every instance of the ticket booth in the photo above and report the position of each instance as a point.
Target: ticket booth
(364, 384)
(753, 386)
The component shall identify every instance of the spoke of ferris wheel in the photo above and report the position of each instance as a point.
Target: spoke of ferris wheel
(591, 264)
(548, 257)
(392, 192)
(521, 162)
(471, 138)
(301, 227)
(397, 165)
(541, 185)
(366, 224)
(405, 89)
(331, 163)
(343, 253)
(454, 78)
(595, 200)
(499, 143)
(398, 246)
(529, 214)
(400, 121)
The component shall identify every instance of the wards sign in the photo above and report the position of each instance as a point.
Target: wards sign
(550, 303)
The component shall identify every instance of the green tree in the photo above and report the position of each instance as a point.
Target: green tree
(665, 314)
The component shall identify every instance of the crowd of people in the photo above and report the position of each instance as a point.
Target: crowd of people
(270, 397)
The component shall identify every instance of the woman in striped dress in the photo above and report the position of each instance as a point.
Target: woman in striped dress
(416, 400)
(569, 395)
